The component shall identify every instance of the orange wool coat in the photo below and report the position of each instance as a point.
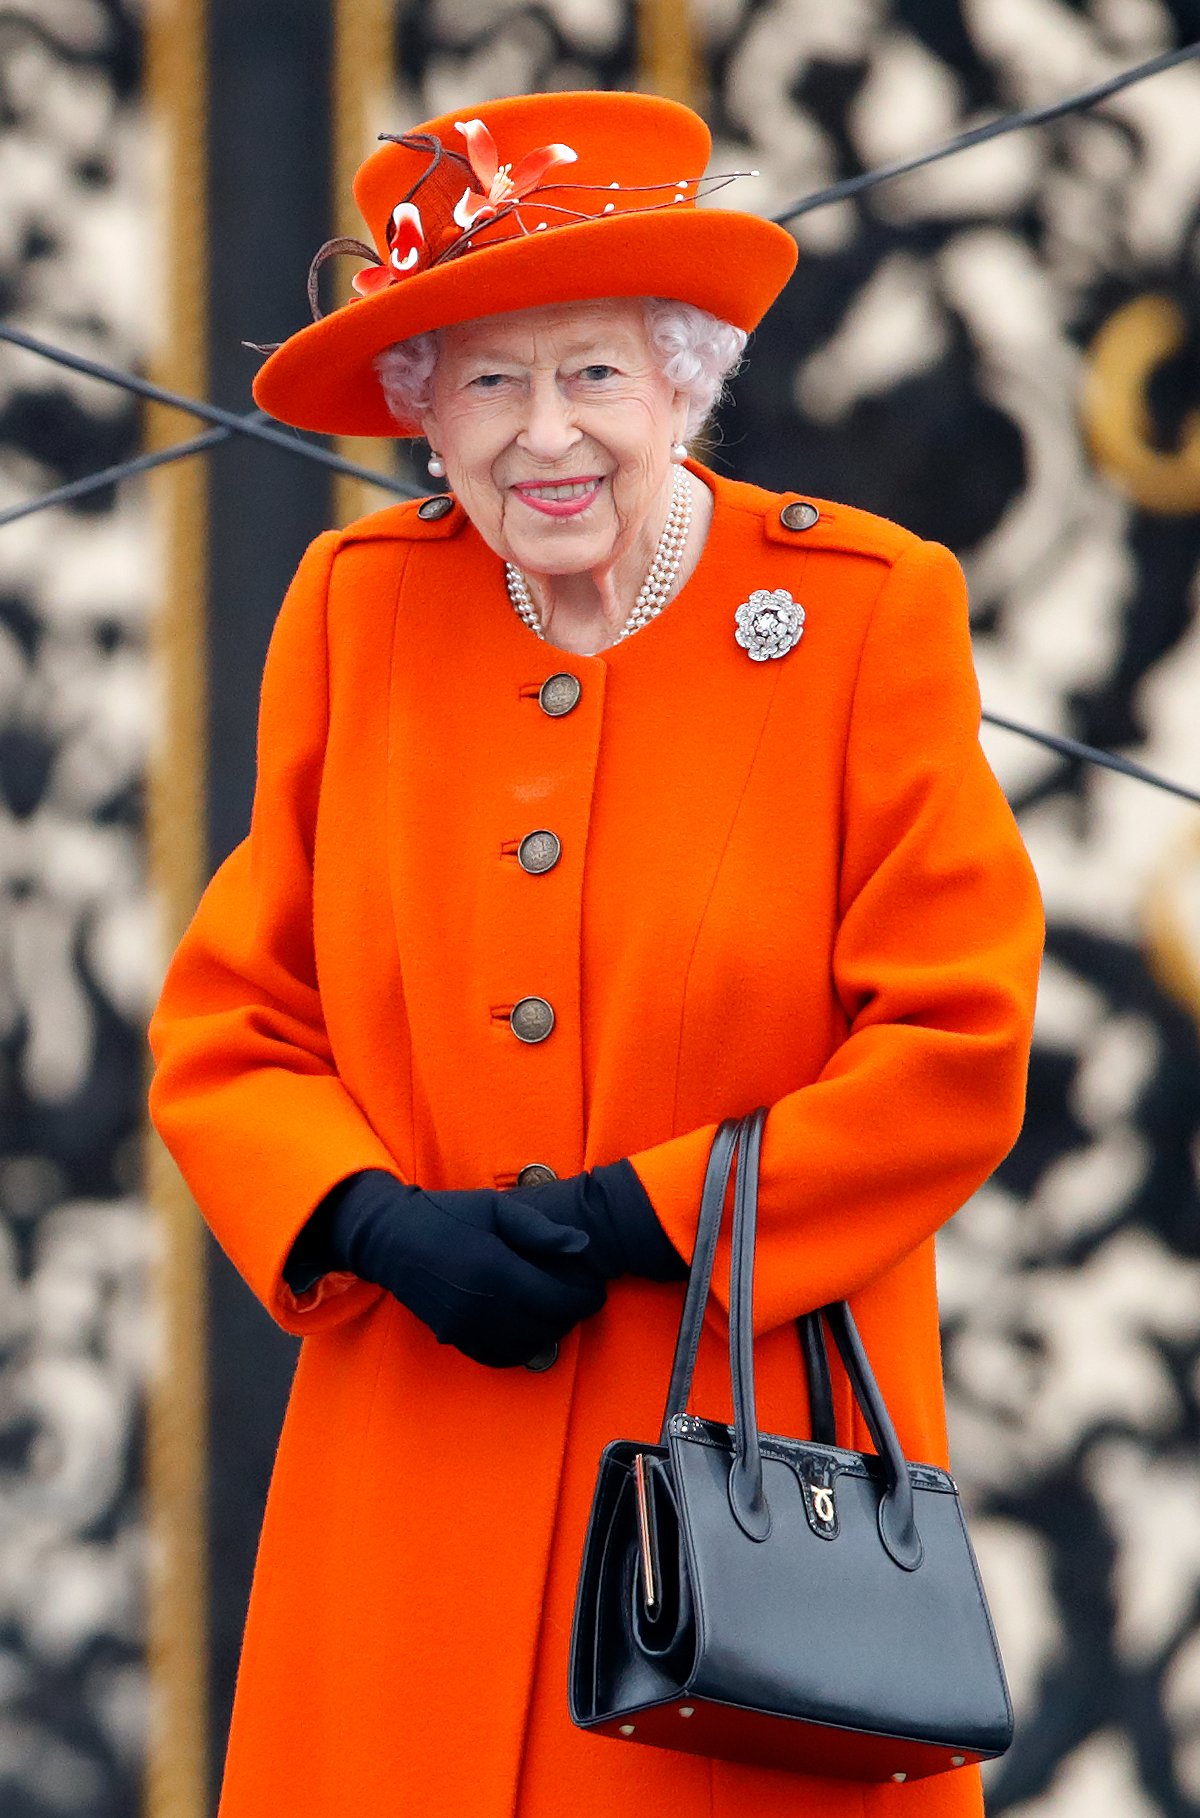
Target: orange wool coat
(793, 883)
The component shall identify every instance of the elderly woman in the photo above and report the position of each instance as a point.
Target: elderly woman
(598, 799)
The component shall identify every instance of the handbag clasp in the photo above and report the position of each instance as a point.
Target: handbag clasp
(818, 1486)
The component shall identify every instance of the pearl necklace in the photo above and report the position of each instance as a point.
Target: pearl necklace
(655, 590)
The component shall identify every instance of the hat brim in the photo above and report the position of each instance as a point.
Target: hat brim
(731, 264)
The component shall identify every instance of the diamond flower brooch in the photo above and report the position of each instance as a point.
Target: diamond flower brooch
(769, 624)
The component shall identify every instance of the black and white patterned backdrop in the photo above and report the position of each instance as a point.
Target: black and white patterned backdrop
(76, 966)
(935, 359)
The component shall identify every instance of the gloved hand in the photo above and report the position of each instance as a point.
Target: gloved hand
(613, 1208)
(487, 1272)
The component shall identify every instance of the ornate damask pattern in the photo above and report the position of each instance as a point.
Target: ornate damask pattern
(930, 361)
(76, 953)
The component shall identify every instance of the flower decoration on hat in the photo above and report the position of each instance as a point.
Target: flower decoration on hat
(769, 623)
(406, 237)
(501, 186)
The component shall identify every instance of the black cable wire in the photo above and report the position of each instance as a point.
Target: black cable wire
(994, 129)
(109, 476)
(1091, 754)
(208, 413)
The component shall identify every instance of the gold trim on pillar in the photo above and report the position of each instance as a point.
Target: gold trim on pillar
(669, 61)
(362, 82)
(177, 1419)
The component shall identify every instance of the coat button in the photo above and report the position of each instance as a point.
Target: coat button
(539, 851)
(559, 693)
(532, 1019)
(542, 1360)
(535, 1174)
(437, 507)
(799, 515)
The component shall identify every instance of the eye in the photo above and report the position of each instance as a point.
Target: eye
(597, 373)
(488, 381)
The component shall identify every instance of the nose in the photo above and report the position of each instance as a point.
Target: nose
(549, 431)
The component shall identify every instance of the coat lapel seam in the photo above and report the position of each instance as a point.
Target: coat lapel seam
(708, 896)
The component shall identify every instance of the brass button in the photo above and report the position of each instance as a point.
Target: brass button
(539, 851)
(437, 507)
(536, 1174)
(799, 515)
(559, 693)
(542, 1360)
(532, 1019)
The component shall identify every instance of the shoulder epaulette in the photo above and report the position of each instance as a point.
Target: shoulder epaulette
(807, 522)
(412, 520)
(793, 517)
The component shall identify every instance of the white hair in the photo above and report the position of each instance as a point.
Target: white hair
(696, 352)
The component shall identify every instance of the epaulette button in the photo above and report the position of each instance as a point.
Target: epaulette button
(436, 507)
(799, 515)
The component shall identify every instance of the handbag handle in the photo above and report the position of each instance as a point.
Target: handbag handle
(822, 1422)
(896, 1517)
(704, 1250)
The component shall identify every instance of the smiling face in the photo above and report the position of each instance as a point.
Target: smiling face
(556, 425)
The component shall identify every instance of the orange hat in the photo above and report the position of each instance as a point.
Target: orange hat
(537, 199)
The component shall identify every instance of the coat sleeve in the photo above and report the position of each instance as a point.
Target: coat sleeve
(245, 1093)
(935, 963)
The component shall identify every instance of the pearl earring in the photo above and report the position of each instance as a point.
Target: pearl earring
(679, 451)
(436, 466)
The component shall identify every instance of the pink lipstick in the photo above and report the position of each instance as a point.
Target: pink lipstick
(541, 495)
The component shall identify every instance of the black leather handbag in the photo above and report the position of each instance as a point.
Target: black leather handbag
(783, 1602)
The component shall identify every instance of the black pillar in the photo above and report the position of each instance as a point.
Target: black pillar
(269, 158)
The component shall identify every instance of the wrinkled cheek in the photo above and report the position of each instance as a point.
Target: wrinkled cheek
(515, 530)
(633, 492)
(507, 522)
(485, 507)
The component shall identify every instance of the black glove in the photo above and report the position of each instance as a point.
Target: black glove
(611, 1205)
(487, 1272)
